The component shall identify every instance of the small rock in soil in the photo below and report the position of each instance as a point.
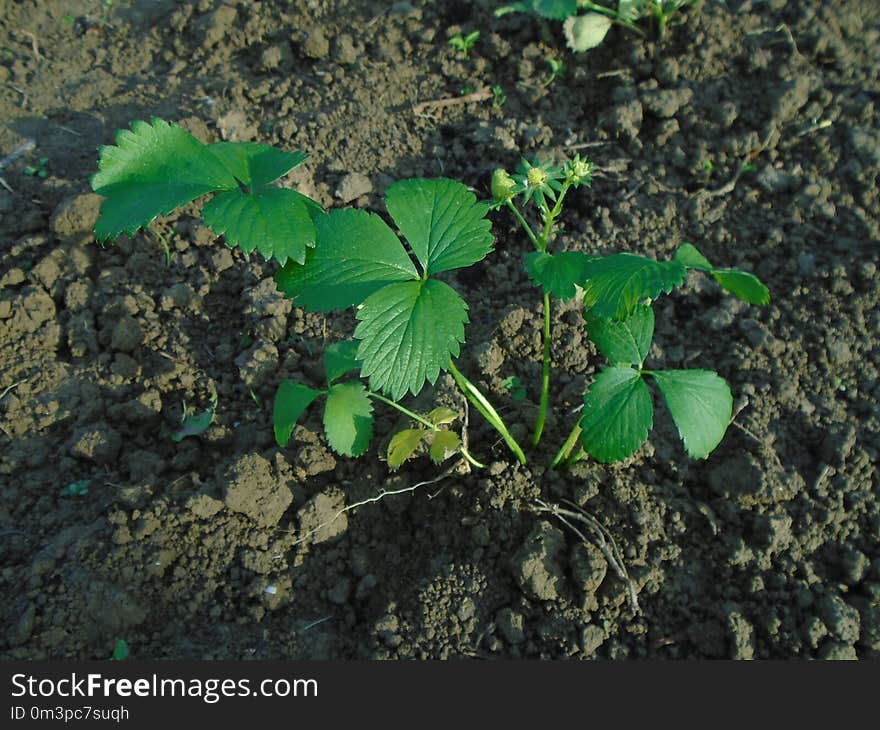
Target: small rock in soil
(352, 186)
(536, 565)
(841, 619)
(316, 517)
(665, 103)
(203, 505)
(837, 651)
(837, 444)
(257, 364)
(740, 633)
(253, 489)
(99, 444)
(127, 334)
(219, 22)
(510, 624)
(316, 45)
(592, 637)
(74, 219)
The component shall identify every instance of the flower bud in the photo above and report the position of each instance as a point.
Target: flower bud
(502, 186)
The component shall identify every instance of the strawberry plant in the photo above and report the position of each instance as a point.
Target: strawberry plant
(618, 291)
(585, 23)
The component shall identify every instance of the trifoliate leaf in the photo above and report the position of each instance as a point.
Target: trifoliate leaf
(339, 359)
(741, 284)
(701, 405)
(291, 401)
(583, 32)
(554, 9)
(402, 445)
(616, 284)
(274, 221)
(618, 414)
(624, 342)
(348, 419)
(355, 254)
(444, 444)
(153, 169)
(442, 221)
(408, 334)
(255, 164)
(442, 416)
(559, 273)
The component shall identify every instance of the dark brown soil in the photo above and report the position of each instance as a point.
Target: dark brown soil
(767, 549)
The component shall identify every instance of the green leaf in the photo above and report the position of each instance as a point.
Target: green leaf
(408, 334)
(274, 221)
(340, 358)
(442, 221)
(444, 444)
(120, 651)
(291, 401)
(355, 254)
(554, 9)
(76, 489)
(348, 419)
(442, 416)
(630, 9)
(402, 445)
(616, 284)
(583, 32)
(255, 164)
(741, 284)
(195, 424)
(559, 273)
(626, 342)
(618, 414)
(152, 170)
(701, 405)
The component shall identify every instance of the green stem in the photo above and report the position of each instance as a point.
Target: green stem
(479, 401)
(424, 422)
(545, 377)
(525, 225)
(613, 14)
(404, 411)
(552, 215)
(572, 439)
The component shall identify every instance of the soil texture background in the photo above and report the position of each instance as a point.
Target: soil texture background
(752, 131)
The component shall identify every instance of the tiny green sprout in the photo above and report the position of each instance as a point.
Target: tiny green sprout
(513, 385)
(195, 424)
(465, 90)
(749, 167)
(120, 651)
(464, 43)
(709, 166)
(499, 98)
(76, 489)
(40, 169)
(558, 70)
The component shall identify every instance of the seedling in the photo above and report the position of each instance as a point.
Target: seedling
(617, 293)
(585, 24)
(514, 387)
(40, 169)
(120, 651)
(464, 43)
(499, 98)
(195, 424)
(557, 70)
(76, 489)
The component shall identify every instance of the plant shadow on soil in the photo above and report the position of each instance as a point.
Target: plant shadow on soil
(190, 549)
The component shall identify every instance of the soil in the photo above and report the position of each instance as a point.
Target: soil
(768, 549)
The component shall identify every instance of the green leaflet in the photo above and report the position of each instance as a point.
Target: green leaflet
(339, 359)
(348, 418)
(616, 284)
(741, 284)
(583, 32)
(554, 9)
(274, 221)
(559, 273)
(618, 414)
(442, 221)
(153, 169)
(355, 254)
(291, 401)
(444, 444)
(255, 164)
(409, 332)
(701, 405)
(623, 342)
(402, 445)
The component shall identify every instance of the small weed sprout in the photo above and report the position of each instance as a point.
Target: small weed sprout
(464, 43)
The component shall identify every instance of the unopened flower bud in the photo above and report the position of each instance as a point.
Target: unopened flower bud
(502, 186)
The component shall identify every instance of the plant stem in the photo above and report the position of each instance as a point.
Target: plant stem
(563, 453)
(424, 422)
(479, 401)
(545, 376)
(613, 14)
(404, 411)
(525, 225)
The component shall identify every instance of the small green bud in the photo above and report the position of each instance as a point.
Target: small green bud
(579, 171)
(502, 186)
